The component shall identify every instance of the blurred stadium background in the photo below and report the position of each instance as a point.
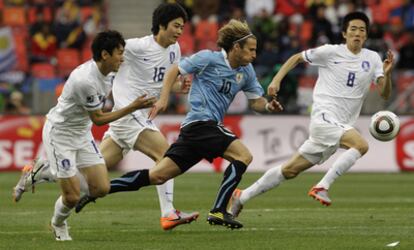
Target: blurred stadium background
(41, 41)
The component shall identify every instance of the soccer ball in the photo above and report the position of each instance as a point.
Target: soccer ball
(384, 126)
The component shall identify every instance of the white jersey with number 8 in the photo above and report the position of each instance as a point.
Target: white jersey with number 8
(343, 82)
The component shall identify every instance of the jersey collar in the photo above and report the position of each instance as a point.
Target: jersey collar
(225, 58)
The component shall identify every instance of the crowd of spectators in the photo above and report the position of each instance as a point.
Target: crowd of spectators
(50, 37)
(282, 28)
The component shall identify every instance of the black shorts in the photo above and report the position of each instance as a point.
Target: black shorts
(199, 140)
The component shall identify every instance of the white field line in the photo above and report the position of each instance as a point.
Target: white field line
(221, 229)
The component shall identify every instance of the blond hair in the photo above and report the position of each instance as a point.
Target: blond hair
(233, 32)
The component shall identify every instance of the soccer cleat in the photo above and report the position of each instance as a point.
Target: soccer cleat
(223, 219)
(24, 182)
(320, 194)
(61, 232)
(235, 204)
(27, 179)
(83, 201)
(21, 186)
(176, 218)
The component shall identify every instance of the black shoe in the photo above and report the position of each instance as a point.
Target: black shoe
(223, 219)
(84, 200)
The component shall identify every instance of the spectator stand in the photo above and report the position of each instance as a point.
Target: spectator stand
(49, 39)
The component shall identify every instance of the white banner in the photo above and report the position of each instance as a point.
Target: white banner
(272, 140)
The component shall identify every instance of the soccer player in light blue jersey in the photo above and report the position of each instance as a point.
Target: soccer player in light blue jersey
(218, 77)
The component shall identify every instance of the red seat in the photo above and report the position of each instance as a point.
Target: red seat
(47, 14)
(86, 54)
(186, 44)
(85, 12)
(14, 16)
(21, 52)
(206, 34)
(22, 32)
(186, 40)
(22, 62)
(404, 81)
(67, 60)
(43, 70)
(59, 89)
(307, 81)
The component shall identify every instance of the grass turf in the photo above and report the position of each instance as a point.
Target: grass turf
(369, 211)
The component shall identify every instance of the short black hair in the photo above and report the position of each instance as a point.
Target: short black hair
(106, 40)
(353, 16)
(165, 13)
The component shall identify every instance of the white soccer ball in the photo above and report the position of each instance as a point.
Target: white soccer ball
(384, 126)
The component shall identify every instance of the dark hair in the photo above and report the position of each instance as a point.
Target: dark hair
(352, 16)
(164, 13)
(106, 40)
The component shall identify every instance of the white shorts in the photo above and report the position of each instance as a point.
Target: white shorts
(324, 139)
(68, 153)
(125, 131)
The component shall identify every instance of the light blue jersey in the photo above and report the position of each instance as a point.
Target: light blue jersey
(215, 84)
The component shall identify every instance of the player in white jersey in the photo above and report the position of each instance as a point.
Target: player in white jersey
(146, 61)
(67, 136)
(345, 74)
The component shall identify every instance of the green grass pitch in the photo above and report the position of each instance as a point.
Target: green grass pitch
(369, 211)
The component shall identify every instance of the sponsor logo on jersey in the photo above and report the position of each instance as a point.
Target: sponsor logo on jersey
(365, 66)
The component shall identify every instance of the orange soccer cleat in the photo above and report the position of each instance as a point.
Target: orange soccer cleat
(176, 218)
(320, 194)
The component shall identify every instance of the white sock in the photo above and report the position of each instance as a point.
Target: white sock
(272, 178)
(340, 166)
(165, 195)
(62, 212)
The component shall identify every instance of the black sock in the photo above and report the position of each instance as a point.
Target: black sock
(130, 181)
(232, 177)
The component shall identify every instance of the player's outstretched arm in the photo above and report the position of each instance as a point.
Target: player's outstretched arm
(182, 85)
(384, 83)
(262, 105)
(286, 67)
(100, 118)
(169, 81)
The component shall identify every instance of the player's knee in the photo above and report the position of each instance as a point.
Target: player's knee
(246, 158)
(362, 148)
(100, 190)
(158, 157)
(290, 173)
(158, 179)
(70, 200)
(249, 159)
